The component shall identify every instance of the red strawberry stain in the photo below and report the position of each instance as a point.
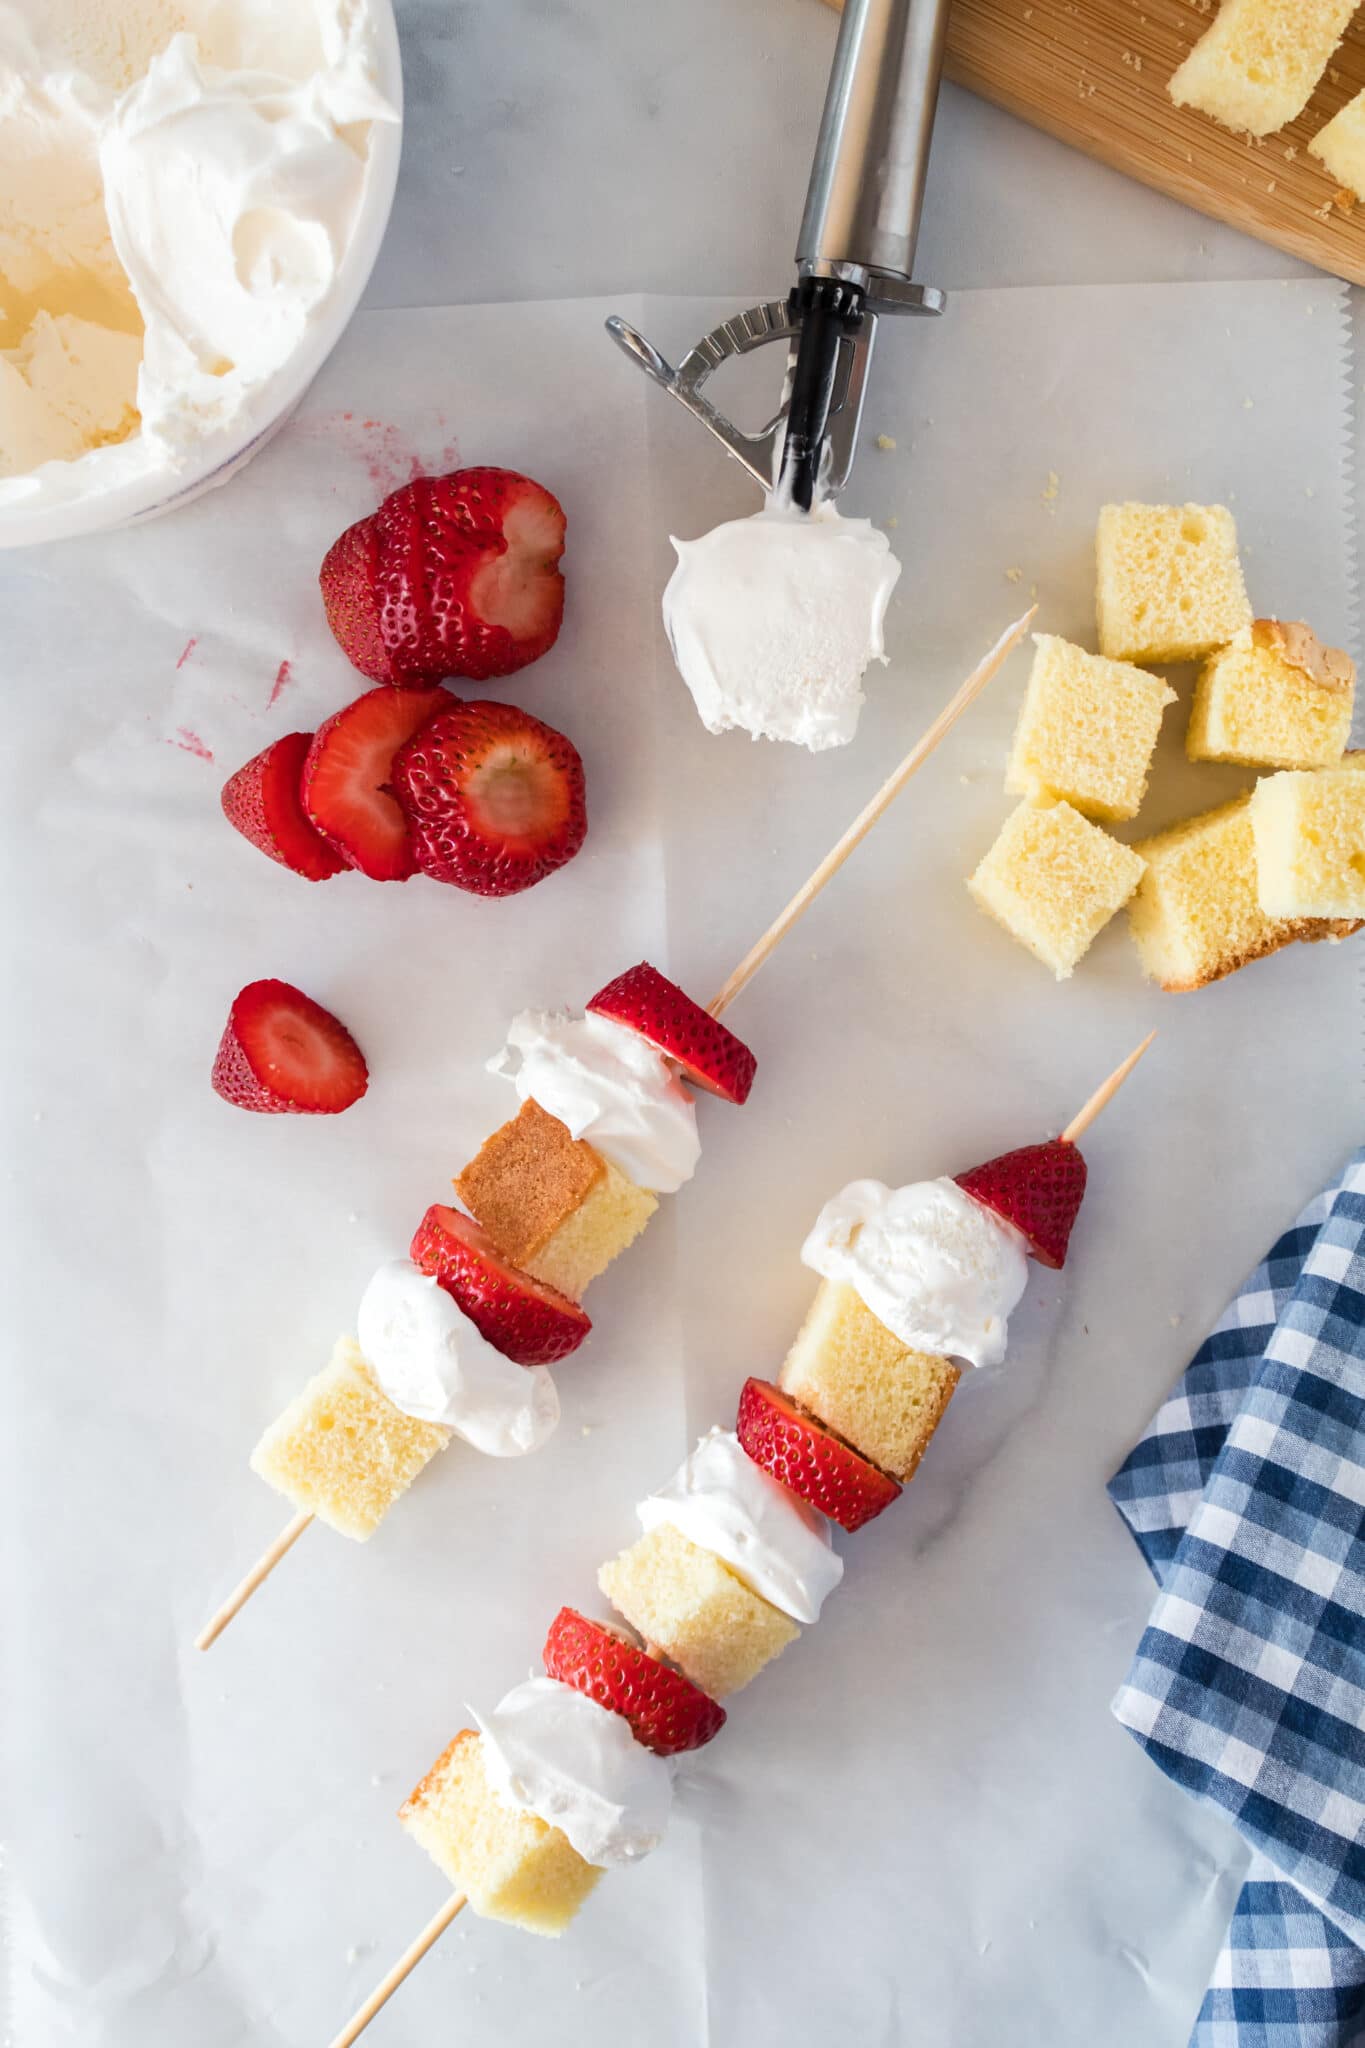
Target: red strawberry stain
(187, 650)
(190, 743)
(283, 677)
(387, 453)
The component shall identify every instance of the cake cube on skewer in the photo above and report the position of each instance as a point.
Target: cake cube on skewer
(1054, 880)
(342, 1451)
(1197, 914)
(1087, 730)
(1255, 69)
(696, 1610)
(1309, 832)
(510, 1864)
(1275, 697)
(551, 1202)
(1169, 582)
(857, 1376)
(1341, 146)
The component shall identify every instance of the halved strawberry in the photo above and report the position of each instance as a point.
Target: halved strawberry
(708, 1053)
(262, 802)
(453, 576)
(494, 799)
(346, 785)
(1038, 1189)
(283, 1054)
(522, 1317)
(666, 1712)
(809, 1459)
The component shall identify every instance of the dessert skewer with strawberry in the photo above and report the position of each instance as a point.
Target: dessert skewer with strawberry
(458, 1337)
(570, 1774)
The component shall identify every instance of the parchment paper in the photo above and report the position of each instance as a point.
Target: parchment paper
(921, 1826)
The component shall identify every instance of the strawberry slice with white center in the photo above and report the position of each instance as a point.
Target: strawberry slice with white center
(809, 1459)
(283, 1054)
(347, 779)
(666, 1712)
(494, 798)
(1039, 1189)
(453, 575)
(520, 1316)
(262, 802)
(655, 1007)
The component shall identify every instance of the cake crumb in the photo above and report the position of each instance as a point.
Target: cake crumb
(1291, 152)
(893, 521)
(1014, 575)
(1051, 488)
(586, 1429)
(1344, 199)
(1248, 405)
(886, 442)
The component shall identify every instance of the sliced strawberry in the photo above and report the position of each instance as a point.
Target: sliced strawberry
(453, 576)
(666, 1712)
(809, 1459)
(1038, 1189)
(521, 1316)
(709, 1054)
(347, 788)
(494, 799)
(283, 1054)
(262, 801)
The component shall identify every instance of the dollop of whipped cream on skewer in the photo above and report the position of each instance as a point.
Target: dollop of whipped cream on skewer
(609, 1086)
(933, 1264)
(550, 1750)
(774, 619)
(435, 1365)
(723, 1502)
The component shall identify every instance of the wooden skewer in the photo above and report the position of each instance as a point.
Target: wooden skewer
(260, 1571)
(1104, 1093)
(406, 1964)
(867, 818)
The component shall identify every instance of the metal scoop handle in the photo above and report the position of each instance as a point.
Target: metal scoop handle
(867, 179)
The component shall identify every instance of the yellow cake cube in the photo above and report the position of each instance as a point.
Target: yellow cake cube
(1309, 830)
(552, 1203)
(689, 1603)
(1086, 731)
(1169, 584)
(848, 1369)
(1256, 67)
(342, 1450)
(1197, 913)
(1054, 880)
(1274, 698)
(510, 1864)
(1341, 146)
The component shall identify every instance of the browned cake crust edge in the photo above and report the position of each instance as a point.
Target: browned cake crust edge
(526, 1180)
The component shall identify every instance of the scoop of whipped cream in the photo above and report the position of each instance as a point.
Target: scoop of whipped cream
(552, 1751)
(180, 182)
(778, 1545)
(773, 620)
(609, 1086)
(432, 1363)
(931, 1263)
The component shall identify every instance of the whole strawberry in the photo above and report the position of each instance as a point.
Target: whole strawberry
(494, 799)
(1039, 1189)
(453, 576)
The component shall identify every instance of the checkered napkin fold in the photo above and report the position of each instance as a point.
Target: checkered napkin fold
(1247, 1498)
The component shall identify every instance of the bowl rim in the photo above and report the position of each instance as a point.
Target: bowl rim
(270, 405)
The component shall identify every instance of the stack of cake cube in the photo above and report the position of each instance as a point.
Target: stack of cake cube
(1281, 863)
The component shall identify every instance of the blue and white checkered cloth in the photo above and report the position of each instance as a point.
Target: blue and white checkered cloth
(1247, 1498)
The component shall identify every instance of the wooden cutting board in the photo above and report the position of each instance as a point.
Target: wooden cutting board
(1094, 73)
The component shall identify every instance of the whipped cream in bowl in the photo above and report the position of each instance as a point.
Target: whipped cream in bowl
(434, 1364)
(777, 1544)
(552, 1751)
(192, 196)
(774, 619)
(937, 1267)
(611, 1087)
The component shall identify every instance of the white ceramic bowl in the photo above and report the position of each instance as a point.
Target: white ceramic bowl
(147, 497)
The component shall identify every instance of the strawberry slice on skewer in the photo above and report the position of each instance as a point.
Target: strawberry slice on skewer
(262, 802)
(666, 1712)
(528, 1321)
(809, 1459)
(655, 1007)
(1038, 1189)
